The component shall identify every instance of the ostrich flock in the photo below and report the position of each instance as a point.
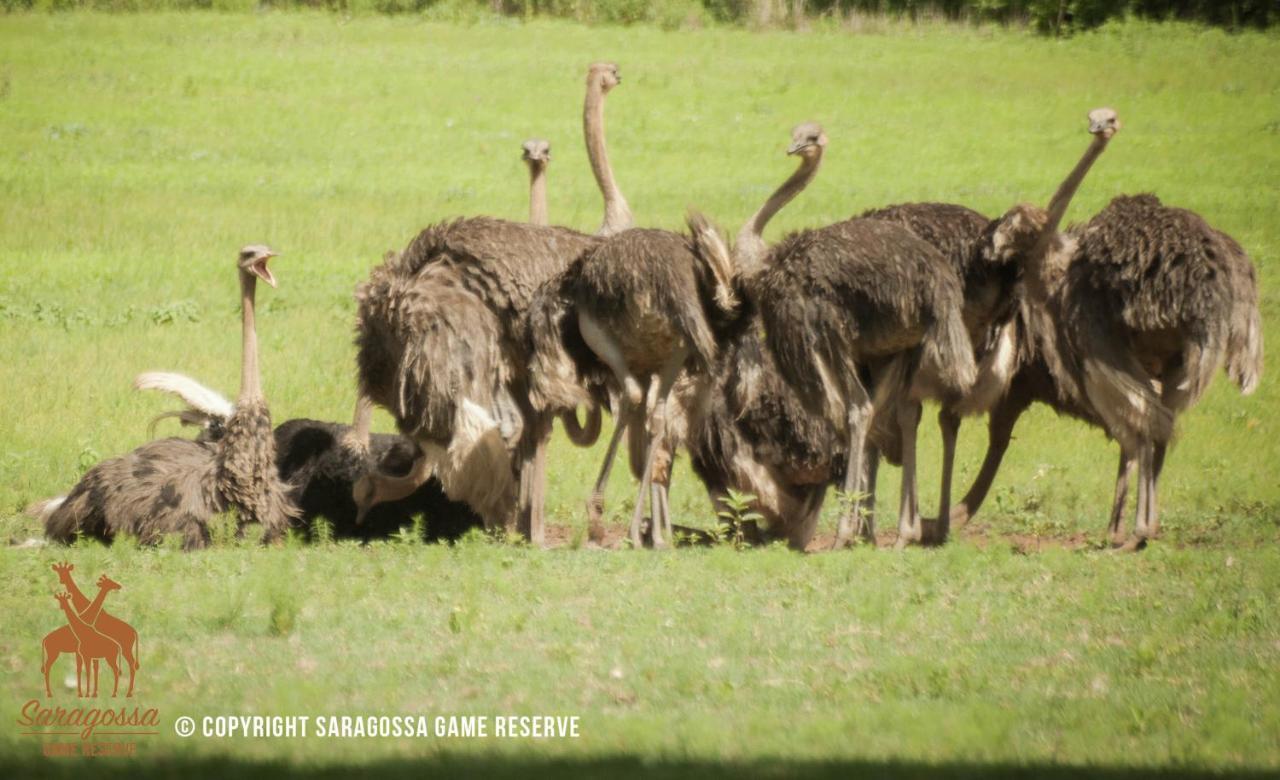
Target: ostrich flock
(782, 370)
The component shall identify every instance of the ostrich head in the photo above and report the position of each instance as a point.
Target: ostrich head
(604, 74)
(807, 140)
(1104, 122)
(537, 152)
(1025, 232)
(253, 259)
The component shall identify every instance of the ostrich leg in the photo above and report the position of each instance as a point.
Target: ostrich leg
(1141, 453)
(1147, 523)
(909, 525)
(656, 434)
(859, 410)
(533, 479)
(949, 424)
(595, 504)
(999, 433)
(1114, 529)
(866, 520)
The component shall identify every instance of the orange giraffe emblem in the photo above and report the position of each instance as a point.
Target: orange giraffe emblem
(91, 635)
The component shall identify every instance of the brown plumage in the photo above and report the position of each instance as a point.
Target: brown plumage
(1152, 302)
(647, 305)
(323, 478)
(858, 300)
(757, 438)
(442, 336)
(177, 486)
(637, 305)
(1129, 316)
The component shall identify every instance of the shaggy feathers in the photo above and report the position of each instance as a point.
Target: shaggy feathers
(830, 305)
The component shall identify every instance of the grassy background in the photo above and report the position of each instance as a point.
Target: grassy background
(139, 153)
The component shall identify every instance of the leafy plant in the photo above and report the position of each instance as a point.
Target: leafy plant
(737, 511)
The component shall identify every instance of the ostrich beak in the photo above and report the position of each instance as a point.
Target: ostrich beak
(798, 147)
(259, 268)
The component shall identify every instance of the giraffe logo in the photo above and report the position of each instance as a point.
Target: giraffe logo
(91, 635)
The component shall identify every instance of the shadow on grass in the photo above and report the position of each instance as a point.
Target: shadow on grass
(623, 767)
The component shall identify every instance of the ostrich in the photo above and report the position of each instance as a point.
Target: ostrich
(756, 436)
(323, 480)
(645, 302)
(1033, 382)
(857, 315)
(988, 287)
(990, 262)
(441, 331)
(537, 155)
(1137, 309)
(176, 485)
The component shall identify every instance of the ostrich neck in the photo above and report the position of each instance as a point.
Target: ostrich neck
(362, 419)
(1047, 264)
(538, 194)
(1067, 190)
(250, 383)
(617, 214)
(749, 249)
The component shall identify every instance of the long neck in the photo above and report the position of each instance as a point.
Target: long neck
(78, 598)
(537, 193)
(250, 382)
(90, 615)
(1043, 274)
(1067, 190)
(617, 214)
(749, 250)
(362, 419)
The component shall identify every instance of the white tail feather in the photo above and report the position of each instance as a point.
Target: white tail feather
(716, 255)
(41, 510)
(194, 394)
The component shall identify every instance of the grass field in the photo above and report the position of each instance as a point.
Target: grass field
(139, 152)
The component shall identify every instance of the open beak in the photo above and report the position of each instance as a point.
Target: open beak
(260, 269)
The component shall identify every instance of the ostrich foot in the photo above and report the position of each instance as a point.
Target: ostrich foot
(595, 531)
(960, 515)
(1133, 544)
(931, 534)
(845, 528)
(647, 539)
(911, 536)
(595, 518)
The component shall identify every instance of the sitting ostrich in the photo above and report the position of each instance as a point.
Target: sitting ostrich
(441, 335)
(645, 303)
(176, 485)
(323, 481)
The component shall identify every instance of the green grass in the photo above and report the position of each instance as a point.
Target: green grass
(139, 152)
